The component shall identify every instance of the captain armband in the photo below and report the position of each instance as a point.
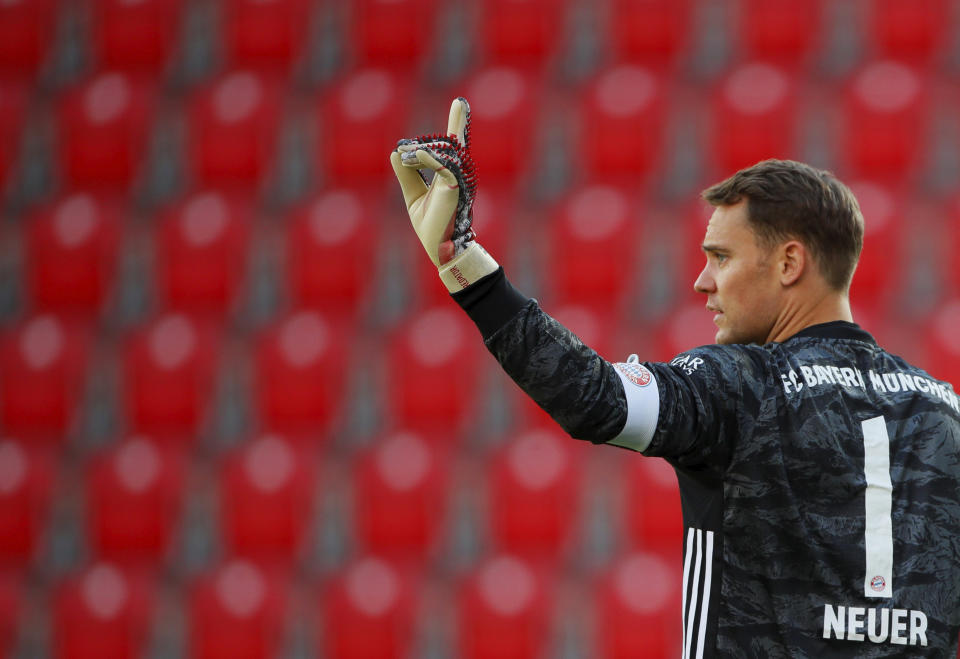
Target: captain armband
(643, 405)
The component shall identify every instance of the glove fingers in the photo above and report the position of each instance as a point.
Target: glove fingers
(411, 183)
(459, 119)
(426, 159)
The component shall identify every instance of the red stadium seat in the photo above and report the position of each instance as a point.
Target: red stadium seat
(26, 482)
(266, 494)
(236, 611)
(881, 267)
(754, 117)
(27, 30)
(201, 255)
(885, 120)
(533, 491)
(367, 609)
(13, 106)
(592, 248)
(654, 32)
(300, 370)
(360, 120)
(637, 605)
(330, 252)
(942, 342)
(504, 107)
(168, 376)
(688, 326)
(380, 32)
(138, 37)
(265, 34)
(102, 612)
(503, 611)
(622, 117)
(11, 606)
(522, 33)
(425, 355)
(233, 129)
(134, 494)
(72, 252)
(103, 129)
(400, 497)
(653, 520)
(43, 369)
(911, 31)
(781, 31)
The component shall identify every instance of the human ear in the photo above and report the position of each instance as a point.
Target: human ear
(793, 261)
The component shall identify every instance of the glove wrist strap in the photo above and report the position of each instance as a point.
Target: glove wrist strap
(470, 265)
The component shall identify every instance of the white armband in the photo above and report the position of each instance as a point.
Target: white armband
(643, 406)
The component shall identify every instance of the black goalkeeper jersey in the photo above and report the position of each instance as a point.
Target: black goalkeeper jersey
(819, 478)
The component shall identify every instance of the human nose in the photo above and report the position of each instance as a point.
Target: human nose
(705, 283)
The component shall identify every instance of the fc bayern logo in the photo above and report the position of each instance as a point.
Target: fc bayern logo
(636, 373)
(878, 583)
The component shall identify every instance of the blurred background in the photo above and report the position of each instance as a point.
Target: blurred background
(239, 415)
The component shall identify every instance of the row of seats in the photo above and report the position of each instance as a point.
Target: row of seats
(199, 249)
(144, 36)
(103, 126)
(400, 493)
(505, 606)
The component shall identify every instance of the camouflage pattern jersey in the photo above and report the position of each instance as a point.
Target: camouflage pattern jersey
(819, 478)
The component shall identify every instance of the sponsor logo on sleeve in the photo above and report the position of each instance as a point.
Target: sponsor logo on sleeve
(636, 373)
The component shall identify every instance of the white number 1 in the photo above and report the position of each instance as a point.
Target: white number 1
(878, 535)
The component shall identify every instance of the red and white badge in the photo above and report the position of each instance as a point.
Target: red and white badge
(636, 373)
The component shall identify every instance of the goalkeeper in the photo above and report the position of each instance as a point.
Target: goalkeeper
(819, 474)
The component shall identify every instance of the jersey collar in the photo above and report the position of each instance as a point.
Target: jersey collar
(836, 329)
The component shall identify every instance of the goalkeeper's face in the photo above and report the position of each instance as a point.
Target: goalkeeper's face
(740, 279)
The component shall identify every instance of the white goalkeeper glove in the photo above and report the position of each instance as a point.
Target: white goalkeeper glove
(442, 214)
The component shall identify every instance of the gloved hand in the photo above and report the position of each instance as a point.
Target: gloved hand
(442, 214)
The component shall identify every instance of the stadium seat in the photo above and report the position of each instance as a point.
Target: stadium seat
(367, 609)
(882, 265)
(379, 32)
(236, 611)
(101, 612)
(360, 119)
(622, 116)
(781, 31)
(43, 370)
(300, 373)
(266, 496)
(11, 605)
(72, 254)
(424, 353)
(912, 31)
(942, 342)
(103, 129)
(753, 117)
(27, 28)
(330, 252)
(654, 32)
(688, 326)
(637, 608)
(137, 37)
(504, 108)
(26, 482)
(593, 243)
(168, 370)
(522, 33)
(503, 610)
(533, 490)
(233, 128)
(267, 35)
(201, 253)
(400, 497)
(134, 494)
(13, 112)
(885, 117)
(653, 520)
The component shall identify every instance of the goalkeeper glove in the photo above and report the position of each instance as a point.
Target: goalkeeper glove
(442, 214)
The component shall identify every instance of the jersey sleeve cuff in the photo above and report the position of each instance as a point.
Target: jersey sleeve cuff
(491, 302)
(643, 406)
